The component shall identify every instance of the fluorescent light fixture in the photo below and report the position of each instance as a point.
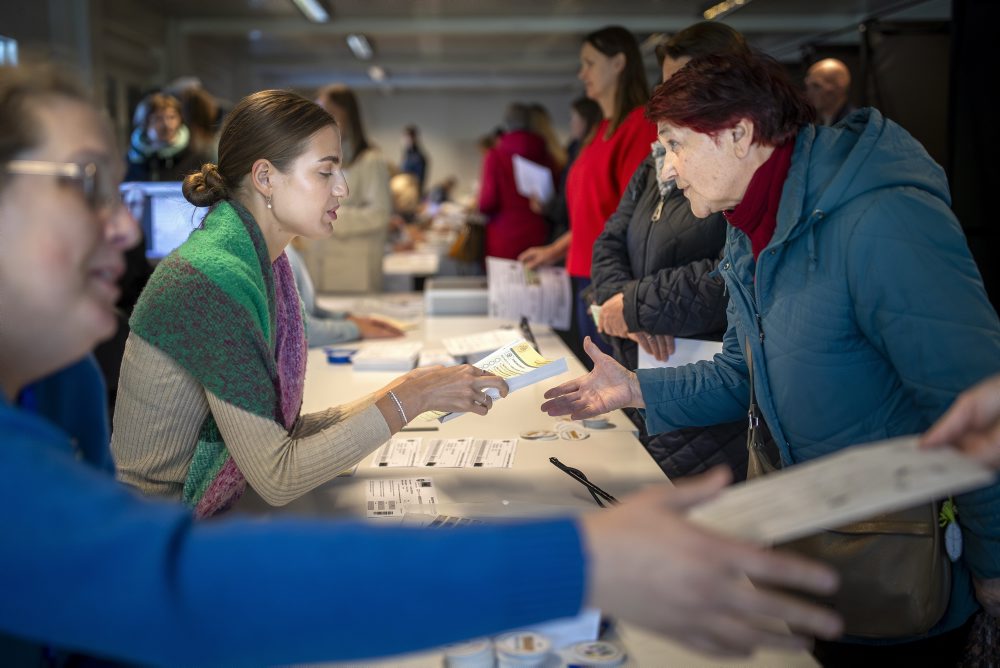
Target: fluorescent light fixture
(359, 46)
(721, 9)
(313, 10)
(377, 73)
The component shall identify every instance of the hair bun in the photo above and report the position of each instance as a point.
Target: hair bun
(206, 187)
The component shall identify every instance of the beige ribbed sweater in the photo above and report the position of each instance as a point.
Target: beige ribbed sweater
(160, 410)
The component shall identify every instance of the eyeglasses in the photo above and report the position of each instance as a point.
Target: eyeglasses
(578, 475)
(100, 191)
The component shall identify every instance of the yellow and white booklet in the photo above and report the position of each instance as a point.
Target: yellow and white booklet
(517, 363)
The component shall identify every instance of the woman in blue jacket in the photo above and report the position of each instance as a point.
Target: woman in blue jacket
(850, 282)
(87, 566)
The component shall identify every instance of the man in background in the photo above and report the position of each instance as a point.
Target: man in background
(828, 83)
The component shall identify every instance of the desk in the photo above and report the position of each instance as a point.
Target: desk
(612, 458)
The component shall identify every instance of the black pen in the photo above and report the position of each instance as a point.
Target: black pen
(580, 478)
(526, 330)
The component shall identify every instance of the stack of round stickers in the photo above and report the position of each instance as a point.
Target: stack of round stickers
(594, 654)
(472, 654)
(525, 649)
(539, 435)
(571, 431)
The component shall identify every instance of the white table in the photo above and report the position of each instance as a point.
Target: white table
(612, 458)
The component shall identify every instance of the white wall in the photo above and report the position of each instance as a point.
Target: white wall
(451, 124)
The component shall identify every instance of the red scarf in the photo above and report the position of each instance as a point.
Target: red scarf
(757, 213)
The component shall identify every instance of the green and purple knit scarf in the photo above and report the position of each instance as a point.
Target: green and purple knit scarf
(233, 320)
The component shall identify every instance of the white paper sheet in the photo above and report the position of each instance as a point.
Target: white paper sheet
(532, 179)
(399, 451)
(464, 452)
(543, 295)
(470, 344)
(850, 485)
(387, 496)
(688, 351)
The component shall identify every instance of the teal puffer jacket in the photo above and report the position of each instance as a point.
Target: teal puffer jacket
(865, 313)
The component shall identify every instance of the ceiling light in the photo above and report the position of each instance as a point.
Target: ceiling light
(377, 73)
(313, 10)
(359, 46)
(721, 9)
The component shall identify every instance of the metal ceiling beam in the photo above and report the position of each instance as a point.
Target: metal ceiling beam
(508, 25)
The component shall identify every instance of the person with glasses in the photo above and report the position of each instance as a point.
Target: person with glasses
(87, 566)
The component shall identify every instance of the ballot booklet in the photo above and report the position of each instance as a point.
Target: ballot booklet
(517, 363)
(849, 485)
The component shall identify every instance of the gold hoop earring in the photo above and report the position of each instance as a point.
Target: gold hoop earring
(267, 199)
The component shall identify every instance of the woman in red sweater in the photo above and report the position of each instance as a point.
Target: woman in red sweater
(612, 72)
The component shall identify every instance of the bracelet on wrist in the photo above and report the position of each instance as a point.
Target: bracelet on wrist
(399, 406)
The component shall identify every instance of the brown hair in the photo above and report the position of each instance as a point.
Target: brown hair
(273, 124)
(21, 89)
(701, 39)
(344, 97)
(632, 90)
(198, 109)
(158, 102)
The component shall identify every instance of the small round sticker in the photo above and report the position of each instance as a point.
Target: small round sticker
(539, 435)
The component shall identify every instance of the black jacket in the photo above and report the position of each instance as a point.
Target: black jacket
(666, 271)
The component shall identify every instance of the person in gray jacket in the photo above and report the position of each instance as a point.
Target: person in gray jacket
(654, 275)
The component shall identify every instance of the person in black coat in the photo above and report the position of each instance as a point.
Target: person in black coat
(654, 276)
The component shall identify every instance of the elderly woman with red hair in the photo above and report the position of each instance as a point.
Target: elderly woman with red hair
(852, 291)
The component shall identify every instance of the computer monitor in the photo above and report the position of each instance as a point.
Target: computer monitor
(167, 218)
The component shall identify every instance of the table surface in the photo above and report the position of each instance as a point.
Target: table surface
(612, 458)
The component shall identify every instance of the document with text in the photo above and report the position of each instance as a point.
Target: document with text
(850, 485)
(541, 295)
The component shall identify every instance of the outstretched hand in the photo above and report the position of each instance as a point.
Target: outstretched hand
(654, 568)
(972, 424)
(607, 387)
(375, 328)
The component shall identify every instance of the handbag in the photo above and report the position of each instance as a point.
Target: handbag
(895, 578)
(470, 244)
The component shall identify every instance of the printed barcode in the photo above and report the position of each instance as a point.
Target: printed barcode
(432, 457)
(381, 505)
(478, 459)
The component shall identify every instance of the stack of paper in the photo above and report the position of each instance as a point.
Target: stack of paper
(388, 356)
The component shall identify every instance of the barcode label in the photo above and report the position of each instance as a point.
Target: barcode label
(480, 449)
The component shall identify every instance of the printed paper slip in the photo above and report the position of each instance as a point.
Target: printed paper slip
(387, 496)
(850, 485)
(464, 452)
(398, 452)
(542, 295)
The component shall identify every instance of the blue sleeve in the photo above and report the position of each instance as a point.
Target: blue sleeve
(89, 567)
(698, 395)
(321, 331)
(915, 241)
(85, 418)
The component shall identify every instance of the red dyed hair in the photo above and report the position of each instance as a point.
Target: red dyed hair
(712, 93)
